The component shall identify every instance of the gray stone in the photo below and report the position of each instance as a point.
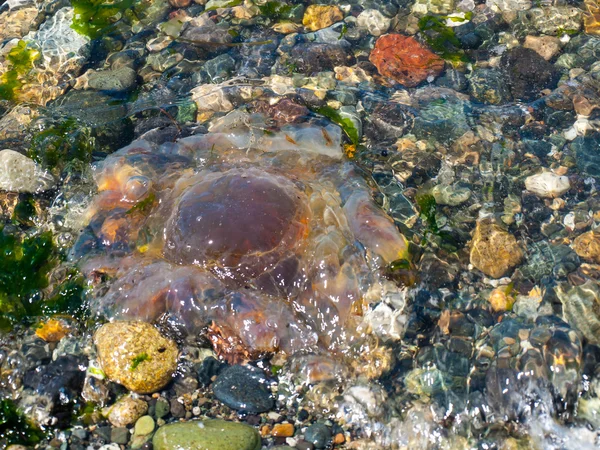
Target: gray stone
(119, 435)
(318, 434)
(117, 80)
(244, 388)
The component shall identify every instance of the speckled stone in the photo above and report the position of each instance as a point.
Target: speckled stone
(120, 343)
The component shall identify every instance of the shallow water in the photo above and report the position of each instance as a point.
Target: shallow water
(386, 209)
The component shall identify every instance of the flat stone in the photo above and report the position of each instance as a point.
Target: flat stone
(244, 388)
(117, 80)
(206, 435)
(144, 426)
(545, 46)
(547, 184)
(317, 17)
(405, 60)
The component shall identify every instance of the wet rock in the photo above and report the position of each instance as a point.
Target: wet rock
(405, 60)
(444, 120)
(219, 69)
(310, 58)
(118, 80)
(119, 435)
(144, 362)
(18, 173)
(580, 308)
(554, 20)
(387, 120)
(317, 17)
(452, 195)
(545, 46)
(59, 383)
(16, 23)
(318, 434)
(244, 388)
(587, 246)
(374, 21)
(206, 435)
(494, 251)
(528, 73)
(547, 184)
(144, 426)
(488, 86)
(433, 6)
(500, 300)
(126, 411)
(586, 153)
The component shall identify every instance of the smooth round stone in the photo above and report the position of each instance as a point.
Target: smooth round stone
(318, 434)
(144, 426)
(206, 435)
(243, 388)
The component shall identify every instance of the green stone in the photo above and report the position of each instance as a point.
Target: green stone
(206, 435)
(144, 426)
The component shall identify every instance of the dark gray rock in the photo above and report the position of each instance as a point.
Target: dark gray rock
(309, 58)
(587, 154)
(318, 434)
(488, 86)
(528, 73)
(119, 435)
(244, 388)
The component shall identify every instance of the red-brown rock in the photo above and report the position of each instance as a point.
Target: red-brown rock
(405, 60)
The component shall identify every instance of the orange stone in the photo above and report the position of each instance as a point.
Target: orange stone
(283, 430)
(52, 331)
(405, 60)
(339, 439)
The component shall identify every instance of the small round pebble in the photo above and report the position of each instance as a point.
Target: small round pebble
(144, 426)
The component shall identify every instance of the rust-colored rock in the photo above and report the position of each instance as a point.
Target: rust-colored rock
(405, 60)
(283, 430)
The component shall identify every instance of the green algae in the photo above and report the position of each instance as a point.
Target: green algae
(24, 268)
(441, 38)
(15, 429)
(62, 143)
(25, 211)
(93, 18)
(21, 59)
(137, 360)
(216, 4)
(278, 11)
(344, 122)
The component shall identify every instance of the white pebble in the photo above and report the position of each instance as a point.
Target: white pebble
(547, 184)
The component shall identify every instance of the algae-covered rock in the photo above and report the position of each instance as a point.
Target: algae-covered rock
(206, 435)
(136, 355)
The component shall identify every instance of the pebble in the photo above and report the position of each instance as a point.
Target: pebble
(317, 17)
(405, 60)
(244, 388)
(283, 430)
(318, 434)
(144, 426)
(117, 80)
(547, 184)
(18, 173)
(545, 46)
(528, 73)
(206, 435)
(494, 251)
(375, 22)
(119, 435)
(143, 362)
(126, 411)
(587, 246)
